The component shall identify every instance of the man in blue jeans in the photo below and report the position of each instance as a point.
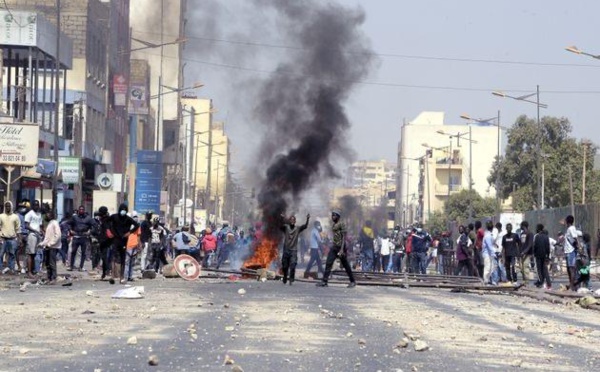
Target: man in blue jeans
(10, 225)
(420, 244)
(81, 228)
(571, 247)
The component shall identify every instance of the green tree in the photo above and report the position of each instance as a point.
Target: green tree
(456, 209)
(518, 174)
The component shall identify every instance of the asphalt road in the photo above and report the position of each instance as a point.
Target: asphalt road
(197, 326)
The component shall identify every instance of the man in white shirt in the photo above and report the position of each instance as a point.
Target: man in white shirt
(52, 243)
(571, 246)
(498, 270)
(33, 224)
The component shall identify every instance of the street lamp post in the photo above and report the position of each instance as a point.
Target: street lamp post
(574, 49)
(525, 98)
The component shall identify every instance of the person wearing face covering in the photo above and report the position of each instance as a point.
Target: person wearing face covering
(121, 226)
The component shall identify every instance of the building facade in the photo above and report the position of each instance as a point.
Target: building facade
(436, 160)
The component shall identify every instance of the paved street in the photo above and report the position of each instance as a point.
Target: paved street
(196, 326)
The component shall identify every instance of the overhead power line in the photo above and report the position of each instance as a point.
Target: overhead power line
(388, 55)
(375, 83)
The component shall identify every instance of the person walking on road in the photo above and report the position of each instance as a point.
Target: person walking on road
(289, 258)
(33, 224)
(338, 250)
(571, 248)
(511, 244)
(51, 244)
(541, 252)
(121, 227)
(315, 248)
(526, 250)
(81, 228)
(487, 252)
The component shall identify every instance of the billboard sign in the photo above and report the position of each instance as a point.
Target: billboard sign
(138, 99)
(45, 167)
(19, 144)
(18, 28)
(148, 181)
(120, 89)
(70, 167)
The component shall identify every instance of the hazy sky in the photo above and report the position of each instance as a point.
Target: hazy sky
(533, 33)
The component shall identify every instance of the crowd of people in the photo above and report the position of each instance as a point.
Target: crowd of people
(113, 246)
(117, 245)
(492, 252)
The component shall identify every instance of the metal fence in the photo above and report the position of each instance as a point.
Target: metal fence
(587, 219)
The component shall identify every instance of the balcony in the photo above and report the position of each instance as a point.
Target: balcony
(455, 162)
(442, 189)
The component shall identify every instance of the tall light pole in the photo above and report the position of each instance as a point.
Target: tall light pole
(56, 116)
(525, 98)
(574, 49)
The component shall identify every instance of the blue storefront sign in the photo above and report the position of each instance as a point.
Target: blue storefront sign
(148, 181)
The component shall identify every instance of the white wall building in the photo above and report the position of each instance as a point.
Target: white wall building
(436, 159)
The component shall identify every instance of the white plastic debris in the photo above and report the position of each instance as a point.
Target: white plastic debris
(130, 293)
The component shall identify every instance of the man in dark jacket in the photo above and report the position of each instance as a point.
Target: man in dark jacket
(121, 227)
(541, 253)
(290, 247)
(105, 239)
(81, 226)
(145, 237)
(511, 244)
(420, 244)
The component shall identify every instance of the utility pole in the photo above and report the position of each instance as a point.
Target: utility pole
(583, 171)
(571, 191)
(56, 110)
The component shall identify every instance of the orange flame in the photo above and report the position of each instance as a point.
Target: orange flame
(264, 254)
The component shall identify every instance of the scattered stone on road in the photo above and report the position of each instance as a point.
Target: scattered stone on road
(421, 345)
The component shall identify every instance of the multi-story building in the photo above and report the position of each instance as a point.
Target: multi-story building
(436, 160)
(82, 111)
(372, 184)
(141, 119)
(207, 147)
(373, 178)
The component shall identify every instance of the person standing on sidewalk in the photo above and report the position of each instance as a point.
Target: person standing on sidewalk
(315, 249)
(10, 225)
(51, 244)
(338, 250)
(289, 258)
(81, 228)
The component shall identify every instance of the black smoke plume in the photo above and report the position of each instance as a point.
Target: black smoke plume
(303, 103)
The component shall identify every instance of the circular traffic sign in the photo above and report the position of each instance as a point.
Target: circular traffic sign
(105, 180)
(187, 267)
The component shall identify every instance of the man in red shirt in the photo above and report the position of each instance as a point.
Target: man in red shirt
(408, 248)
(478, 246)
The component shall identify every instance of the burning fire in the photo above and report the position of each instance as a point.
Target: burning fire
(264, 254)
